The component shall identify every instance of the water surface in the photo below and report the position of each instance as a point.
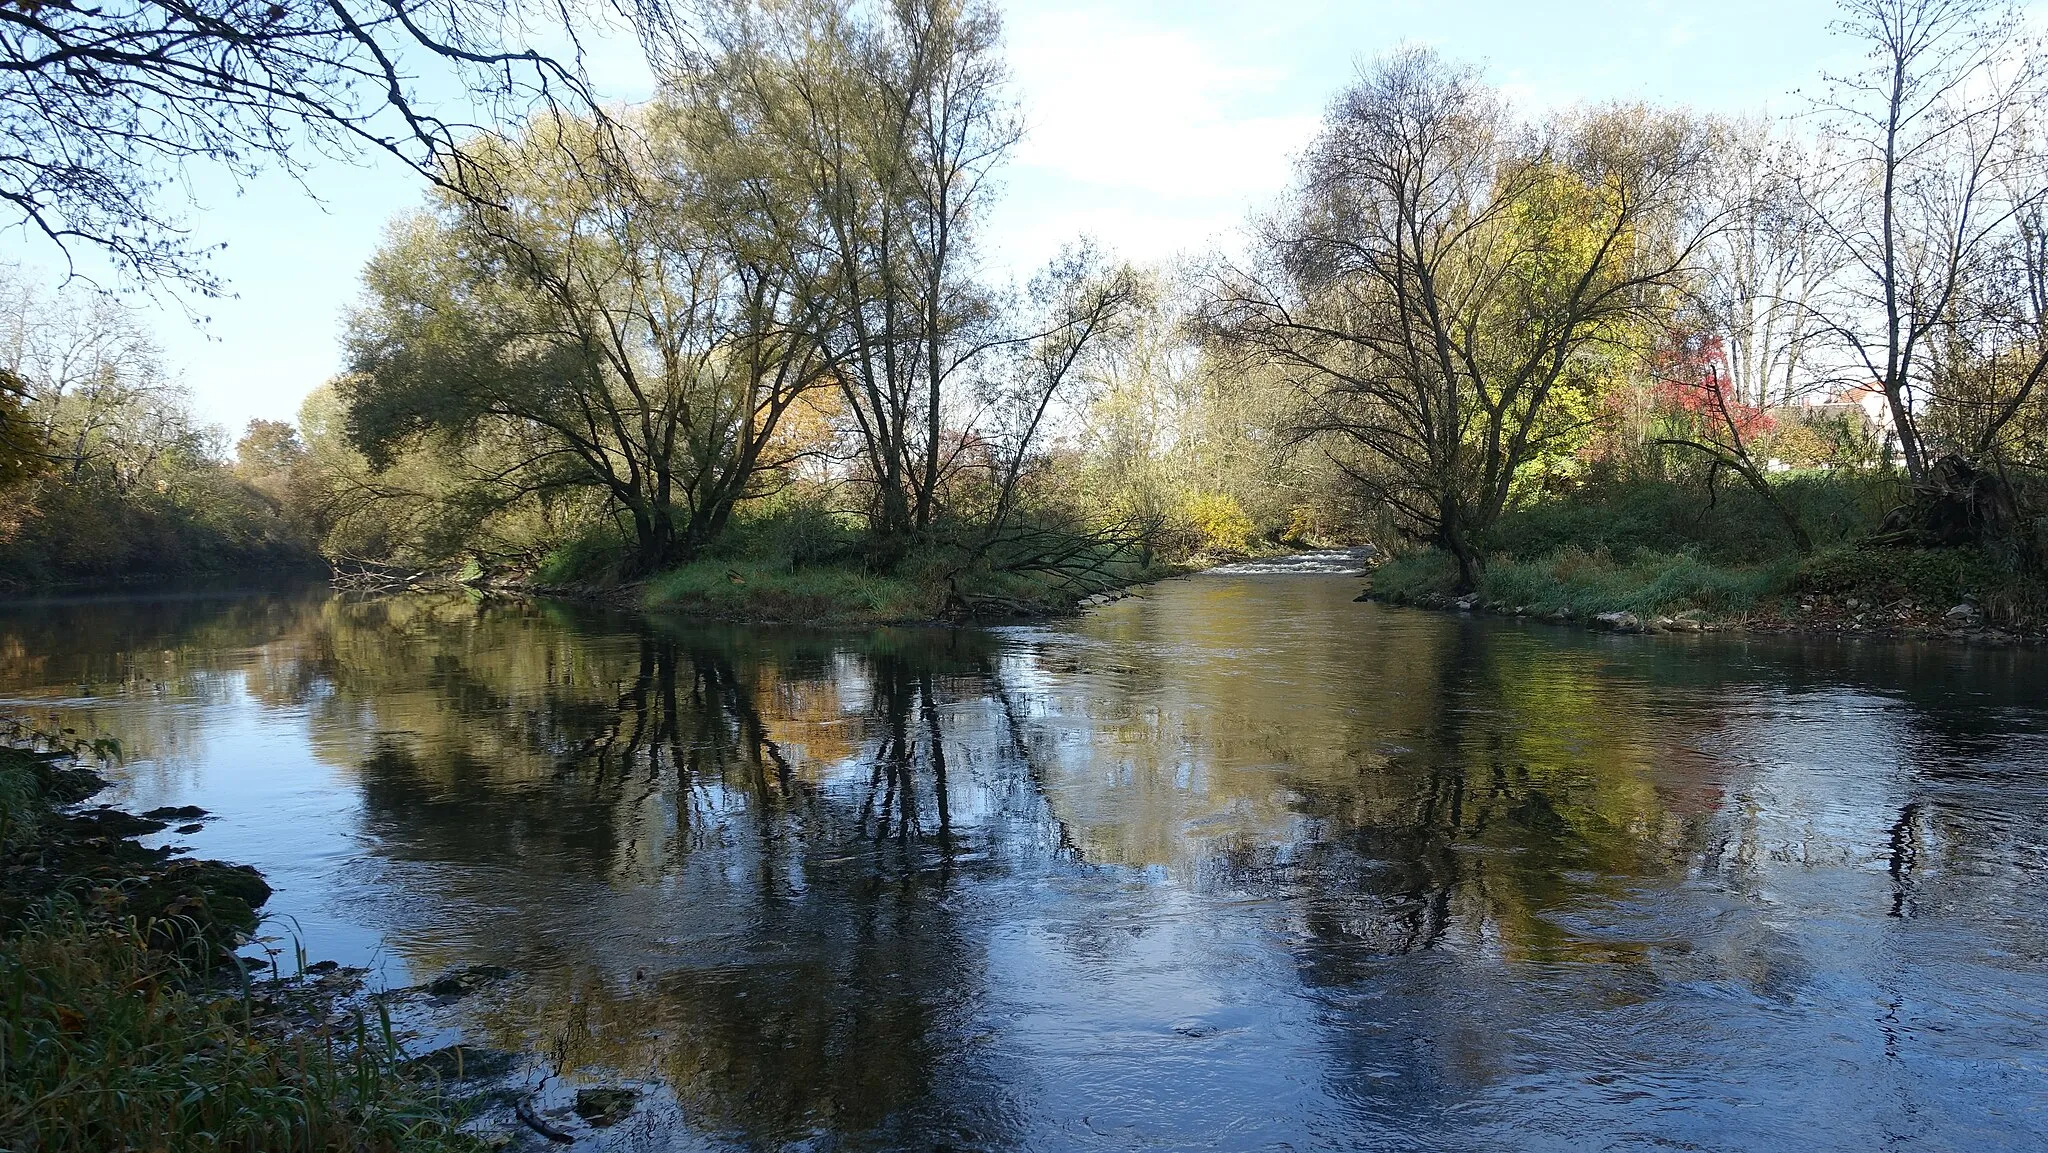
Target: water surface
(1235, 864)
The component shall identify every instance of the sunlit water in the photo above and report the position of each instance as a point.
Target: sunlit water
(1235, 864)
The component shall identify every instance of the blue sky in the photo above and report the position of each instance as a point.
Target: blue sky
(1154, 126)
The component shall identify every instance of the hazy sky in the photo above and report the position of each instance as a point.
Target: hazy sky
(1152, 126)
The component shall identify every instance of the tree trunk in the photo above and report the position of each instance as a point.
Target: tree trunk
(1456, 542)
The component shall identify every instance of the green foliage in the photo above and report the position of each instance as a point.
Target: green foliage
(758, 590)
(1931, 578)
(1585, 584)
(70, 528)
(1730, 524)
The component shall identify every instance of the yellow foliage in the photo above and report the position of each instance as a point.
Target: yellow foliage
(1218, 522)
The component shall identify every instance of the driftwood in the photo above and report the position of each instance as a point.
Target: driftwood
(367, 576)
(523, 1109)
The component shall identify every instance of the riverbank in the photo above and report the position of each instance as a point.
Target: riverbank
(1952, 594)
(131, 1024)
(851, 595)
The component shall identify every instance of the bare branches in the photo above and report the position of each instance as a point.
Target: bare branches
(101, 106)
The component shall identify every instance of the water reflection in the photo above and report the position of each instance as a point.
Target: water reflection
(1236, 864)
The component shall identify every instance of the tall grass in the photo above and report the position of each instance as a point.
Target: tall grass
(1585, 583)
(111, 1041)
(106, 1044)
(765, 590)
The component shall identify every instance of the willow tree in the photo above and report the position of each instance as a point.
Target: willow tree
(882, 126)
(600, 310)
(1448, 290)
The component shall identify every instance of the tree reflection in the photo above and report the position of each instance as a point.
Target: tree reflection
(724, 857)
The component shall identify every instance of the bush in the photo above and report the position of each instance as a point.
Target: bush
(595, 555)
(761, 590)
(1732, 525)
(1216, 523)
(1931, 578)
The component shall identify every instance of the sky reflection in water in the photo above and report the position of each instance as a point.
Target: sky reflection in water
(1238, 864)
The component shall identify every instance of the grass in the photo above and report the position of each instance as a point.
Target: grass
(800, 562)
(106, 1043)
(1579, 583)
(110, 1041)
(1659, 548)
(764, 590)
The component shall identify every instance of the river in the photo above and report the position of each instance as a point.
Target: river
(1236, 863)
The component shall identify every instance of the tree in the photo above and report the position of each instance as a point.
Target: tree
(1935, 179)
(92, 383)
(22, 453)
(1449, 291)
(882, 126)
(615, 326)
(1741, 341)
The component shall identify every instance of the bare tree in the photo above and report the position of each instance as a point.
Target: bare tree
(1740, 343)
(1932, 178)
(1446, 285)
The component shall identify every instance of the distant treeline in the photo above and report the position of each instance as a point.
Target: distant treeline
(105, 475)
(751, 320)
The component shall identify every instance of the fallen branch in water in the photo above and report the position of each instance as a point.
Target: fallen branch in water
(523, 1109)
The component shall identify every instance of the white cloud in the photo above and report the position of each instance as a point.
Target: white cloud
(1138, 132)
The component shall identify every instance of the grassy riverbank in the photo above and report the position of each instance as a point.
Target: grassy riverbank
(127, 1024)
(1660, 551)
(802, 565)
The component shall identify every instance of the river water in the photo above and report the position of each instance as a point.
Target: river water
(1233, 864)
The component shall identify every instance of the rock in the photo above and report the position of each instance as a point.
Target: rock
(605, 1107)
(1621, 622)
(177, 813)
(463, 1063)
(191, 828)
(1467, 603)
(466, 980)
(1663, 624)
(107, 821)
(1684, 623)
(1362, 597)
(1965, 613)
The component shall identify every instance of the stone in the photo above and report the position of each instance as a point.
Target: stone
(466, 980)
(606, 1106)
(177, 813)
(1621, 622)
(1965, 613)
(464, 1063)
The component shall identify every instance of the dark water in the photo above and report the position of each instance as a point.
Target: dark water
(1239, 864)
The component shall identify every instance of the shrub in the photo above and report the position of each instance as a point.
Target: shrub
(1931, 578)
(1217, 523)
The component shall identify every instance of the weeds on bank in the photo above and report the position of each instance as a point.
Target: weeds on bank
(1586, 583)
(108, 1043)
(764, 590)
